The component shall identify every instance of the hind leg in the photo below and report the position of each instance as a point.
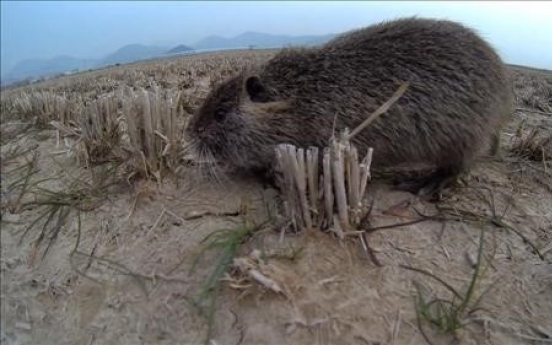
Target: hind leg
(432, 185)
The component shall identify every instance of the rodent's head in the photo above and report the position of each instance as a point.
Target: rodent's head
(230, 128)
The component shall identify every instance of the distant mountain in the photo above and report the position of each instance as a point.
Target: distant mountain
(36, 67)
(260, 40)
(179, 49)
(131, 53)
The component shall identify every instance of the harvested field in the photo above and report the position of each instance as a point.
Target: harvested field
(110, 236)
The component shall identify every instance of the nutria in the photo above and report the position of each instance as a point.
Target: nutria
(457, 100)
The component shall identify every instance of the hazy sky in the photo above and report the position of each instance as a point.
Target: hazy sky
(521, 31)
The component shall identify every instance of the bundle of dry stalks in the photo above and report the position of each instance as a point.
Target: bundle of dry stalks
(335, 197)
(139, 127)
(152, 128)
(44, 107)
(312, 197)
(535, 144)
(100, 138)
(6, 108)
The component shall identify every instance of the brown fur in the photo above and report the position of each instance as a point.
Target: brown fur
(457, 101)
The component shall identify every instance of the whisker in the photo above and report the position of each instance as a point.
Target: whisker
(214, 169)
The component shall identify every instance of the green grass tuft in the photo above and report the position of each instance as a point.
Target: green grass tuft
(226, 243)
(448, 316)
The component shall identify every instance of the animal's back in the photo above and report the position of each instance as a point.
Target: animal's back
(457, 98)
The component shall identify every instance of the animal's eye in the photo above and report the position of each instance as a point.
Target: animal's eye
(220, 115)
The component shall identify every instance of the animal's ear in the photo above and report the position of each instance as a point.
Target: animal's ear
(256, 90)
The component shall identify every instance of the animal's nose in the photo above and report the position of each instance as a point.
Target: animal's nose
(200, 129)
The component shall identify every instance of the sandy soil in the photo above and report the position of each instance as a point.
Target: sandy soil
(129, 280)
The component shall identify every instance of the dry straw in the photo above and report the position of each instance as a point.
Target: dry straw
(44, 106)
(140, 127)
(100, 135)
(151, 120)
(336, 196)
